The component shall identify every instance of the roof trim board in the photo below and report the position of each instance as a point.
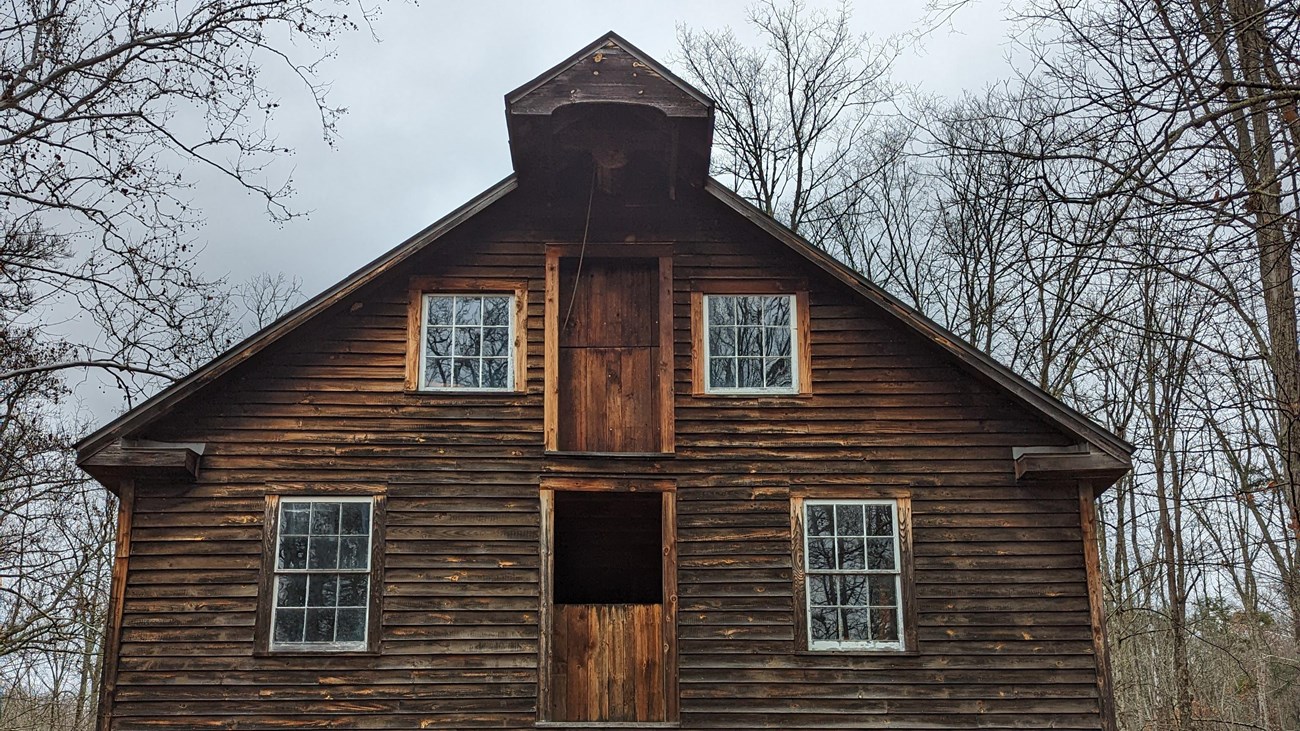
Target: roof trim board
(1057, 412)
(162, 402)
(632, 50)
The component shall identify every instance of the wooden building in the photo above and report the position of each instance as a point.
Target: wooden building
(606, 446)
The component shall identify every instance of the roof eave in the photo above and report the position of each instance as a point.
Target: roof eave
(161, 402)
(1030, 395)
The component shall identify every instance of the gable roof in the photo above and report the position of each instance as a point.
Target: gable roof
(1115, 449)
(1051, 409)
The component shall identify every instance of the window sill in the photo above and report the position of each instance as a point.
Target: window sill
(465, 392)
(317, 653)
(856, 652)
(609, 455)
(753, 395)
(607, 725)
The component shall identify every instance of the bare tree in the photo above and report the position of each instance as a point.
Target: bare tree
(104, 106)
(790, 111)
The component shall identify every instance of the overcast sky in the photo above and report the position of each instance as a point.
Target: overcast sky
(425, 129)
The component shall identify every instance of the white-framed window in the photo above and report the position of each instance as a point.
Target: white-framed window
(751, 343)
(467, 342)
(322, 573)
(853, 574)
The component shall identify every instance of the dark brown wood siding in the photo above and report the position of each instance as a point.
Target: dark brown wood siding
(1002, 599)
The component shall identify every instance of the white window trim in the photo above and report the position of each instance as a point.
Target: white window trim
(277, 572)
(794, 386)
(512, 303)
(823, 645)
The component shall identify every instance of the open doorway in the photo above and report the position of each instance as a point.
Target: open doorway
(610, 617)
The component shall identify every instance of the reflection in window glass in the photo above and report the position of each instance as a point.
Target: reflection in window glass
(322, 573)
(467, 342)
(750, 342)
(852, 574)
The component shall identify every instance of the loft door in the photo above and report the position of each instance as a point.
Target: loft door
(608, 396)
(610, 607)
(609, 342)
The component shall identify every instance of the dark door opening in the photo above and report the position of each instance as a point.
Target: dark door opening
(609, 654)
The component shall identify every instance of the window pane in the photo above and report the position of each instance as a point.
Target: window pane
(322, 590)
(466, 373)
(884, 591)
(325, 518)
(821, 553)
(748, 341)
(291, 591)
(437, 341)
(437, 373)
(292, 553)
(467, 342)
(857, 624)
(722, 310)
(353, 552)
(776, 310)
(437, 310)
(722, 372)
(749, 374)
(295, 518)
(496, 373)
(821, 590)
(848, 520)
(722, 341)
(324, 553)
(884, 625)
(853, 591)
(776, 342)
(880, 554)
(355, 520)
(749, 310)
(350, 626)
(778, 373)
(820, 522)
(353, 590)
(289, 624)
(851, 554)
(468, 310)
(880, 520)
(320, 625)
(496, 341)
(496, 310)
(823, 623)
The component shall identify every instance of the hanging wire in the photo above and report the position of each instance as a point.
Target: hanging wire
(582, 251)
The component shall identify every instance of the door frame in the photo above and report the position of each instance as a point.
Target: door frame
(551, 333)
(667, 488)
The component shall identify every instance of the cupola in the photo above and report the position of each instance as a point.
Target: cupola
(612, 115)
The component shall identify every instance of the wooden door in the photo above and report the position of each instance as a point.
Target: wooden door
(609, 337)
(609, 606)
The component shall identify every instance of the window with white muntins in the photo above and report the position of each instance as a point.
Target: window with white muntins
(853, 572)
(467, 342)
(751, 344)
(322, 573)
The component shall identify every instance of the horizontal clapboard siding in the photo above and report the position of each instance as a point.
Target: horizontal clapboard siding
(1001, 595)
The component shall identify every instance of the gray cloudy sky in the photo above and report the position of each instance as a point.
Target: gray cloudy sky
(425, 129)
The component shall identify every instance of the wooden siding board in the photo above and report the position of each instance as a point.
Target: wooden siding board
(999, 572)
